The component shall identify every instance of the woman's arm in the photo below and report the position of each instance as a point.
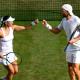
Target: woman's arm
(1, 33)
(19, 28)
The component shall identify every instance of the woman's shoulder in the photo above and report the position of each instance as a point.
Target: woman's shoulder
(14, 26)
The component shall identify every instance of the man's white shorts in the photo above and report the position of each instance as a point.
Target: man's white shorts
(10, 58)
(73, 57)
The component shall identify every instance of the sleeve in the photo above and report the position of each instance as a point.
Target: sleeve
(60, 26)
(77, 33)
(78, 21)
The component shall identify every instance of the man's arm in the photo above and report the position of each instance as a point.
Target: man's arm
(55, 30)
(49, 27)
(73, 40)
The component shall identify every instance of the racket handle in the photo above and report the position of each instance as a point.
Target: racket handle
(66, 47)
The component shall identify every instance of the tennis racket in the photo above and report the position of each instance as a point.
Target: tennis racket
(7, 58)
(76, 29)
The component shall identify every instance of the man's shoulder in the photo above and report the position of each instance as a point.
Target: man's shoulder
(75, 17)
(63, 19)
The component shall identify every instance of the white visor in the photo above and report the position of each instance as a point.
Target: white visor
(10, 19)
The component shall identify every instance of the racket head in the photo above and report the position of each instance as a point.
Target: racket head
(19, 59)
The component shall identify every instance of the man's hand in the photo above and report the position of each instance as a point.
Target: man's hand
(72, 41)
(45, 24)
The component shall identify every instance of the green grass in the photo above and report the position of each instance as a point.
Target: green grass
(42, 54)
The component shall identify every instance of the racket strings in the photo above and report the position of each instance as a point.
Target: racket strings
(19, 59)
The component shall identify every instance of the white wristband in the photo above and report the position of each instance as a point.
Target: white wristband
(48, 26)
(33, 23)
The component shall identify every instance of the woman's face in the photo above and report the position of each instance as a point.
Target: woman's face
(9, 23)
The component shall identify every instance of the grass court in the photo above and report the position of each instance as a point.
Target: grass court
(42, 53)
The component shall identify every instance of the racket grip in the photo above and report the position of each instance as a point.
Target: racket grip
(66, 47)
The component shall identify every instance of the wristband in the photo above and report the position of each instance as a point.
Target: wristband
(33, 23)
(48, 26)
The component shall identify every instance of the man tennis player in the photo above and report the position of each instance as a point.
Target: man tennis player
(69, 23)
(6, 45)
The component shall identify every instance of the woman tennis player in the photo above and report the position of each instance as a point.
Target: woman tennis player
(6, 45)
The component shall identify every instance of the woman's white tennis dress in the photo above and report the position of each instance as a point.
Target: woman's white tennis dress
(6, 46)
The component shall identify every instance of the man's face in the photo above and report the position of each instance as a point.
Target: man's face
(64, 13)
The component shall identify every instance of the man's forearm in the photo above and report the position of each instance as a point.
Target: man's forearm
(55, 30)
